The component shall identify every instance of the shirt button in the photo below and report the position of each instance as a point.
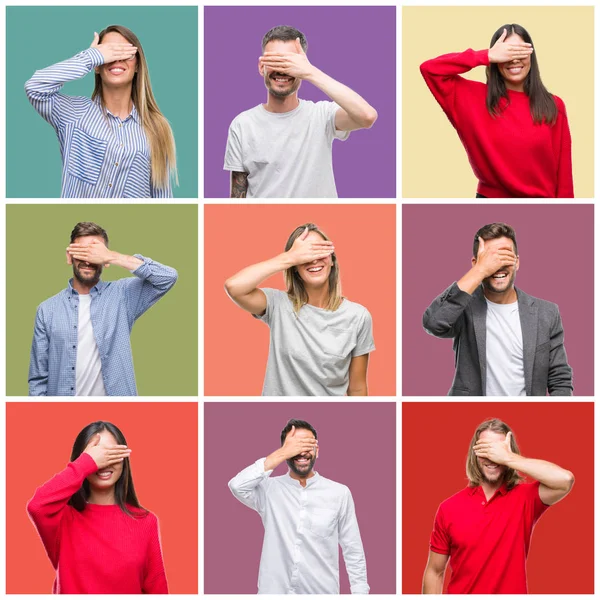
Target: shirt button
(483, 503)
(71, 389)
(120, 124)
(74, 347)
(116, 164)
(73, 368)
(110, 185)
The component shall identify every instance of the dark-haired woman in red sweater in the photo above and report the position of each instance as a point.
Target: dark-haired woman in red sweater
(97, 535)
(515, 132)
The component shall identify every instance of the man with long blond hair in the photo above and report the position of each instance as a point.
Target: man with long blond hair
(485, 530)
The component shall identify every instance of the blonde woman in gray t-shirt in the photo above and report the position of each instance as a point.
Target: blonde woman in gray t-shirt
(320, 341)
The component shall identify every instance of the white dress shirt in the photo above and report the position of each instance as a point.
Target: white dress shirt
(303, 526)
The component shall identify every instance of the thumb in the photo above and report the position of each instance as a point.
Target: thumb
(94, 441)
(502, 37)
(509, 440)
(481, 246)
(299, 46)
(293, 431)
(96, 39)
(304, 234)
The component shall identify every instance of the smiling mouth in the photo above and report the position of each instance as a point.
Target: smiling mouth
(315, 269)
(279, 78)
(116, 70)
(514, 70)
(106, 474)
(500, 275)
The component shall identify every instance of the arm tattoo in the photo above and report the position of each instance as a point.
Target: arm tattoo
(239, 184)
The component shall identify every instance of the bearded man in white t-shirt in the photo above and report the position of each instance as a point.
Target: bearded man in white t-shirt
(283, 148)
(506, 342)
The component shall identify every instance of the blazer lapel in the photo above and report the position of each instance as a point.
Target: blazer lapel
(479, 312)
(528, 315)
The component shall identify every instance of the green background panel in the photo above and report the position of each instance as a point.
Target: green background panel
(38, 36)
(164, 339)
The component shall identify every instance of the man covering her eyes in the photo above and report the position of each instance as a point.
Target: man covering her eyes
(283, 149)
(305, 517)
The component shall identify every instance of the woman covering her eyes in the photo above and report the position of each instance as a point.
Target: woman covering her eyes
(116, 144)
(320, 341)
(98, 537)
(514, 130)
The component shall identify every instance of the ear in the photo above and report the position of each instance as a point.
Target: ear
(261, 69)
(518, 263)
(473, 261)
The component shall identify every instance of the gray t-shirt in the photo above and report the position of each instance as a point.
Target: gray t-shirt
(286, 155)
(504, 350)
(310, 352)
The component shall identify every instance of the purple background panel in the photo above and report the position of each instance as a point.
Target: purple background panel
(357, 447)
(556, 251)
(355, 45)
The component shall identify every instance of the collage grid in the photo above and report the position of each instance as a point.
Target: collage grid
(198, 408)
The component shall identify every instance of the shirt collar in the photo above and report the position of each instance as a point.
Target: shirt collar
(97, 289)
(502, 490)
(310, 481)
(133, 114)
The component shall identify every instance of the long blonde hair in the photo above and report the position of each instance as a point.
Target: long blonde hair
(163, 160)
(511, 477)
(295, 286)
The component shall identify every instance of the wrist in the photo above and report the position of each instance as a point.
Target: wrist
(314, 75)
(112, 258)
(513, 461)
(286, 260)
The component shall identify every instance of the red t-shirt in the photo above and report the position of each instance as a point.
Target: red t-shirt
(488, 541)
(510, 155)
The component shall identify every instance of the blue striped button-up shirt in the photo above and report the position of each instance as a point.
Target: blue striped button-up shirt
(103, 156)
(114, 309)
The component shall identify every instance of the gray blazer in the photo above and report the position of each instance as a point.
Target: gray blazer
(461, 316)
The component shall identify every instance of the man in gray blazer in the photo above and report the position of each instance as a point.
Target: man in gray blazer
(506, 343)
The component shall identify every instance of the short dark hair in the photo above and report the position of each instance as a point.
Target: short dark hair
(284, 33)
(492, 232)
(88, 228)
(298, 424)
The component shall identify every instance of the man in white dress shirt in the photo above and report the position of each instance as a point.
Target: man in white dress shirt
(305, 517)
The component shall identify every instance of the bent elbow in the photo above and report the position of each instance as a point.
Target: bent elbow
(569, 480)
(369, 118)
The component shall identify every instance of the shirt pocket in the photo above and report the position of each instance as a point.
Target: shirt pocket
(338, 342)
(86, 156)
(137, 184)
(322, 522)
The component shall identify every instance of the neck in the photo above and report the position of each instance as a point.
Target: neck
(515, 87)
(281, 105)
(299, 478)
(489, 489)
(507, 297)
(82, 289)
(118, 100)
(318, 297)
(103, 497)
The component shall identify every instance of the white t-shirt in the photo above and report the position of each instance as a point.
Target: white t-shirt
(88, 372)
(504, 350)
(310, 352)
(286, 155)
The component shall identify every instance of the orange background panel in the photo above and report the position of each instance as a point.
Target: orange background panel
(164, 462)
(236, 345)
(435, 444)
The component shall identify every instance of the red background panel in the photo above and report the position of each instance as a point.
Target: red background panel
(236, 345)
(435, 443)
(164, 462)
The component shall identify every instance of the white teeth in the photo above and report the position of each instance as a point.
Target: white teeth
(315, 269)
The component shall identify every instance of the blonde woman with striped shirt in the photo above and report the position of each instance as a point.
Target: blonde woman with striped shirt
(116, 144)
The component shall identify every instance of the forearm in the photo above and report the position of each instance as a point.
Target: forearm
(359, 390)
(358, 109)
(47, 82)
(248, 279)
(443, 317)
(124, 260)
(433, 582)
(274, 459)
(547, 473)
(239, 184)
(471, 280)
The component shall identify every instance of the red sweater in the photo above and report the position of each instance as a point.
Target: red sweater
(510, 155)
(100, 550)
